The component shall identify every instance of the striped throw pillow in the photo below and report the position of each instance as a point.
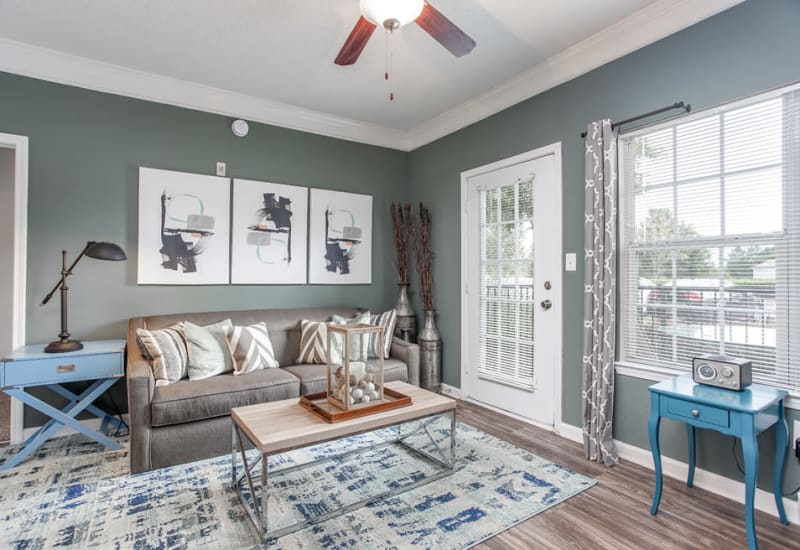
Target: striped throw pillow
(251, 349)
(314, 344)
(165, 349)
(386, 320)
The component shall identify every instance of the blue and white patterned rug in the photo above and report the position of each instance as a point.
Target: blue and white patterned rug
(74, 494)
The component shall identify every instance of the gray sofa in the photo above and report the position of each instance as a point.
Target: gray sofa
(188, 421)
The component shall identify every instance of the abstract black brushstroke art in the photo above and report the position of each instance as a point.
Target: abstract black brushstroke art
(183, 228)
(181, 245)
(276, 217)
(340, 244)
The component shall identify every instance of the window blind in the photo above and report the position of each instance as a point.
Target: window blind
(506, 284)
(711, 238)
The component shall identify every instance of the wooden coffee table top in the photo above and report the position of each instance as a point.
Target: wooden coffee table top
(280, 426)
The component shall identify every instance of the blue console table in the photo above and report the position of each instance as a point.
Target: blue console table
(100, 361)
(742, 414)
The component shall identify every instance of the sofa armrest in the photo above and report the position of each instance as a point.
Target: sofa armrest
(409, 354)
(141, 388)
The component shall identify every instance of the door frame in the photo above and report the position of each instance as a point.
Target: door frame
(555, 150)
(19, 144)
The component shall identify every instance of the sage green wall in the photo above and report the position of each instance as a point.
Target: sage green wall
(85, 151)
(749, 48)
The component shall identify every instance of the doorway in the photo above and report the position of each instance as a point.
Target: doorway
(13, 224)
(511, 300)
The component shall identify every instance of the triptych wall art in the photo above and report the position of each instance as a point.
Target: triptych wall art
(205, 230)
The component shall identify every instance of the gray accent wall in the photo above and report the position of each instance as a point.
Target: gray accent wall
(752, 47)
(85, 151)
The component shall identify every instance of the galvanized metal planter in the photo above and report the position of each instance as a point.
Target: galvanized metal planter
(430, 353)
(405, 326)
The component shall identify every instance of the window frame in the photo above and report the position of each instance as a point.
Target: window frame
(653, 372)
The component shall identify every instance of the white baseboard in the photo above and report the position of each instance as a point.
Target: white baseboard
(715, 483)
(91, 423)
(451, 391)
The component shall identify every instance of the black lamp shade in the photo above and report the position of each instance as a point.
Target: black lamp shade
(106, 251)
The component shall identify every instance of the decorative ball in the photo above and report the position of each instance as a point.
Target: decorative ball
(369, 387)
(368, 378)
(353, 380)
(350, 400)
(365, 398)
(362, 384)
(373, 396)
(357, 393)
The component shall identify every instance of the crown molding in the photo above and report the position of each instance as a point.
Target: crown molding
(648, 25)
(642, 28)
(51, 65)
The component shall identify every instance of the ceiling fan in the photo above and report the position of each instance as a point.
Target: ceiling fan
(393, 14)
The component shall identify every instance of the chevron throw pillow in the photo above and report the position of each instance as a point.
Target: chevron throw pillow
(251, 349)
(314, 344)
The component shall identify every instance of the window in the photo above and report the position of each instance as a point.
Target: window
(711, 238)
(506, 284)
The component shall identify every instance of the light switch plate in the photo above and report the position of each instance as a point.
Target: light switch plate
(570, 261)
(221, 168)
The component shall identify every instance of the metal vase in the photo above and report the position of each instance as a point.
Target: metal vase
(430, 353)
(406, 322)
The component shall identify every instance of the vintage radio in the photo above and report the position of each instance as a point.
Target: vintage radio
(721, 371)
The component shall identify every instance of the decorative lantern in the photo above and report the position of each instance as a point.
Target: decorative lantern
(352, 381)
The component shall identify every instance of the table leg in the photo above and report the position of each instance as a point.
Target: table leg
(91, 408)
(750, 451)
(653, 429)
(781, 440)
(60, 418)
(692, 455)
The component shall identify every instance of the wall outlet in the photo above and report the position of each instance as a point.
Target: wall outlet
(221, 168)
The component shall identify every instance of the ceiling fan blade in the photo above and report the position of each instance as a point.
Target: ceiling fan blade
(444, 31)
(355, 43)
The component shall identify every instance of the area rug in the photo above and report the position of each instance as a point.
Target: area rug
(74, 494)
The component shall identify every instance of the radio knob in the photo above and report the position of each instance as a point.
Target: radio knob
(727, 372)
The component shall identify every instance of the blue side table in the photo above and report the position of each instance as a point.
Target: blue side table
(743, 414)
(29, 366)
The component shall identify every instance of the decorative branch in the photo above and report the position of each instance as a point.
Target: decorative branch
(402, 229)
(423, 254)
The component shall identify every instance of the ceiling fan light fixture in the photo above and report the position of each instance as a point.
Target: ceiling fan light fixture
(391, 14)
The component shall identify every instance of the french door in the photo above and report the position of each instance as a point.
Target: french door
(511, 328)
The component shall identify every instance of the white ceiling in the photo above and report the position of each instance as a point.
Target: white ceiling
(278, 54)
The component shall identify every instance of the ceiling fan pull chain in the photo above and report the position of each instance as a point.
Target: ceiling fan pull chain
(389, 33)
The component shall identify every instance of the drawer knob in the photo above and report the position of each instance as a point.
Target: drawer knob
(695, 412)
(65, 368)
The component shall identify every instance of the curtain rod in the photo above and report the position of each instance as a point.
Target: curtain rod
(679, 105)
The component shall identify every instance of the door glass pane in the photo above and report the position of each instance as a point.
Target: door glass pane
(506, 284)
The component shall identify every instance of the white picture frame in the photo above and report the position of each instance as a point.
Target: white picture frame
(184, 228)
(269, 233)
(340, 238)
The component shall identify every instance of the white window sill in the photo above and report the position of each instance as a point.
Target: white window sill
(657, 374)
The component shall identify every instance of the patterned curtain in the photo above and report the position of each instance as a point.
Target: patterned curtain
(599, 304)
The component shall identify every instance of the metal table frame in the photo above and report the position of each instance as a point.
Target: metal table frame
(259, 515)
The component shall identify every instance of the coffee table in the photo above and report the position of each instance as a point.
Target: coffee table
(281, 426)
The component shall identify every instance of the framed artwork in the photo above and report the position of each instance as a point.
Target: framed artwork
(184, 228)
(340, 238)
(269, 233)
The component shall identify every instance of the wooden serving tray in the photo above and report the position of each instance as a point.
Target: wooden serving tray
(318, 404)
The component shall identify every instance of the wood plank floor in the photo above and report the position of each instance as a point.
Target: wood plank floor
(615, 514)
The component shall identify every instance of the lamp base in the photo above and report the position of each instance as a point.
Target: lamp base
(63, 346)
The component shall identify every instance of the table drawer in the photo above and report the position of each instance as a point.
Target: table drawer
(62, 369)
(699, 414)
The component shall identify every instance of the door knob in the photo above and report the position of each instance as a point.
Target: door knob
(546, 304)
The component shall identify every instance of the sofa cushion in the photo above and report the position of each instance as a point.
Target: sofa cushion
(188, 401)
(312, 377)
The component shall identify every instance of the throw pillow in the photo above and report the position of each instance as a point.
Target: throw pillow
(358, 346)
(386, 320)
(165, 349)
(252, 349)
(314, 344)
(207, 349)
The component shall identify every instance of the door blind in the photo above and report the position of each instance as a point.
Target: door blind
(506, 284)
(712, 238)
